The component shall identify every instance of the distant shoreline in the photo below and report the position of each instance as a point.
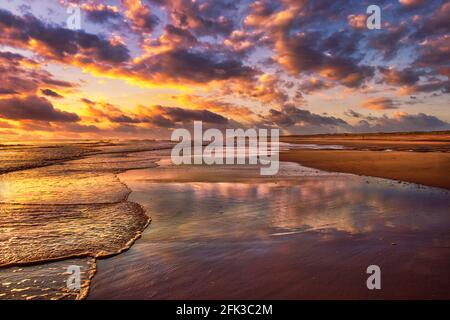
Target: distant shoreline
(422, 158)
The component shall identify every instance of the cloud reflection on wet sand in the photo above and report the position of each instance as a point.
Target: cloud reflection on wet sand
(299, 236)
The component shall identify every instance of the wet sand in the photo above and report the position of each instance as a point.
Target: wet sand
(427, 168)
(422, 158)
(306, 234)
(218, 232)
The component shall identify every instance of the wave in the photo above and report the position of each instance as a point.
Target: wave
(74, 209)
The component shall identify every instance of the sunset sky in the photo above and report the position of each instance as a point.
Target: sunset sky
(139, 69)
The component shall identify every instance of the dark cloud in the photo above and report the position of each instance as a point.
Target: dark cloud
(33, 108)
(305, 53)
(290, 115)
(312, 85)
(438, 23)
(79, 128)
(342, 43)
(192, 66)
(18, 78)
(124, 119)
(297, 121)
(7, 91)
(141, 17)
(435, 55)
(203, 18)
(160, 116)
(402, 122)
(407, 76)
(51, 93)
(161, 121)
(87, 101)
(442, 86)
(57, 42)
(353, 114)
(101, 14)
(391, 40)
(179, 36)
(180, 115)
(57, 83)
(379, 103)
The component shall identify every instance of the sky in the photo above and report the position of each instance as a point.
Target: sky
(140, 69)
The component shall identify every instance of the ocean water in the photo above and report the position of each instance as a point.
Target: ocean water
(63, 201)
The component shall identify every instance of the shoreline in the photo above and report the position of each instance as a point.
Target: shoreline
(428, 169)
(422, 158)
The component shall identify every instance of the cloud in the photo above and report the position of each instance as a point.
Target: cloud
(169, 116)
(5, 125)
(412, 3)
(436, 85)
(357, 21)
(402, 122)
(51, 93)
(405, 77)
(191, 66)
(391, 40)
(140, 15)
(289, 115)
(353, 114)
(214, 104)
(101, 13)
(202, 18)
(59, 43)
(22, 75)
(225, 61)
(435, 54)
(379, 103)
(178, 36)
(409, 80)
(242, 42)
(293, 120)
(79, 128)
(7, 91)
(33, 108)
(305, 53)
(157, 115)
(437, 23)
(313, 84)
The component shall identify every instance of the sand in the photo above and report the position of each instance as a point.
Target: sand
(418, 158)
(302, 236)
(431, 168)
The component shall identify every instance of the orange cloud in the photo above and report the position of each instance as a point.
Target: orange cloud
(379, 103)
(357, 21)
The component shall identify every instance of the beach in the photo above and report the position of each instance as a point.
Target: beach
(307, 234)
(218, 149)
(140, 227)
(422, 158)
